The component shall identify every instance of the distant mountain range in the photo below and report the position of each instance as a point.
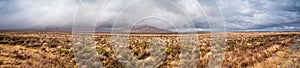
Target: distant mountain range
(136, 29)
(145, 29)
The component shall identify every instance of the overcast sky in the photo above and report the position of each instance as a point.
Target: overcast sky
(244, 15)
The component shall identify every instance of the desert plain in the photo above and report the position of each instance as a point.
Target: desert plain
(242, 49)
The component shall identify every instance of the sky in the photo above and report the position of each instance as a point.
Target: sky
(238, 15)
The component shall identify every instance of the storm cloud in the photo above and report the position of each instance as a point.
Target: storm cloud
(260, 15)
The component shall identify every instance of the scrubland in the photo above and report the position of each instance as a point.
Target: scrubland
(243, 49)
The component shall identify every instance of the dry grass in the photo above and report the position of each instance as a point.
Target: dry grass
(54, 49)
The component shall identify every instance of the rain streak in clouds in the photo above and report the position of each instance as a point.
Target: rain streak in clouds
(255, 15)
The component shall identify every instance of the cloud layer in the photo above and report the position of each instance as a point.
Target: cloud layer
(260, 15)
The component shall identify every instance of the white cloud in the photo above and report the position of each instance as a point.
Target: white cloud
(39, 13)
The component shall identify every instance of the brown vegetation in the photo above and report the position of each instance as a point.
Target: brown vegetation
(54, 49)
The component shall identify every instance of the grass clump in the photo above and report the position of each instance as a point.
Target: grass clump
(232, 45)
(100, 49)
(3, 37)
(168, 50)
(64, 50)
(68, 41)
(143, 44)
